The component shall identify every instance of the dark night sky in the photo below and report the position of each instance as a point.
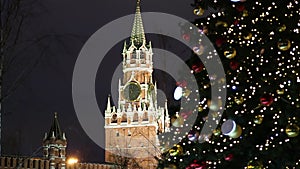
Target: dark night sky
(28, 111)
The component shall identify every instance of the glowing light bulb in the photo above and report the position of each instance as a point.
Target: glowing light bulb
(178, 93)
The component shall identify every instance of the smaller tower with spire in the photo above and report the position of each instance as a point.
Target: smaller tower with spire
(54, 146)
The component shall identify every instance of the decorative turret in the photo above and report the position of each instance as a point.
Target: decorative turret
(54, 145)
(166, 118)
(108, 107)
(108, 113)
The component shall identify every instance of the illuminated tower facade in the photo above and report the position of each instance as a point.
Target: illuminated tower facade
(131, 127)
(54, 146)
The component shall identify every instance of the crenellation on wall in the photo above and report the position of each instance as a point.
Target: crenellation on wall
(23, 163)
(91, 166)
(40, 163)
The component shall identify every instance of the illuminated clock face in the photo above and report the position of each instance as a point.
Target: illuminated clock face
(132, 91)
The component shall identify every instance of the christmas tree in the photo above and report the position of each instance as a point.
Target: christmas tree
(258, 44)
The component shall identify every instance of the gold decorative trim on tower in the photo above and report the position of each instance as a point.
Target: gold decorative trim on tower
(138, 35)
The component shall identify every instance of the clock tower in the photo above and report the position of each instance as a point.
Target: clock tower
(132, 127)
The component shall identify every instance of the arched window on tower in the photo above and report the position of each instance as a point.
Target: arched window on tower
(133, 59)
(143, 58)
(59, 153)
(145, 116)
(135, 117)
(114, 118)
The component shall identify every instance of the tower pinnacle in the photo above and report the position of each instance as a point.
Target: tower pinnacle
(108, 107)
(138, 34)
(55, 131)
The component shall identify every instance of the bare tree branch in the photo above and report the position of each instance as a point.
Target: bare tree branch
(23, 75)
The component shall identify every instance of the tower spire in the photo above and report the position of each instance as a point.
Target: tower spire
(138, 34)
(55, 131)
(108, 107)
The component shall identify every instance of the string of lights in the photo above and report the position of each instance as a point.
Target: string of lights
(258, 42)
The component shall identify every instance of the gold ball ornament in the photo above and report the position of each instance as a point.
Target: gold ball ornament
(200, 108)
(284, 44)
(280, 91)
(177, 121)
(221, 23)
(282, 28)
(186, 93)
(230, 53)
(217, 132)
(171, 166)
(175, 151)
(222, 80)
(199, 11)
(239, 100)
(258, 119)
(292, 130)
(255, 165)
(248, 36)
(245, 13)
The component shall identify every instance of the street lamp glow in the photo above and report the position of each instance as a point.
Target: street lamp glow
(72, 160)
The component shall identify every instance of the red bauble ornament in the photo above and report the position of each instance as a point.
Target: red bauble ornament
(182, 83)
(266, 100)
(219, 42)
(198, 67)
(203, 165)
(236, 22)
(185, 115)
(240, 8)
(186, 37)
(229, 157)
(234, 65)
(196, 165)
